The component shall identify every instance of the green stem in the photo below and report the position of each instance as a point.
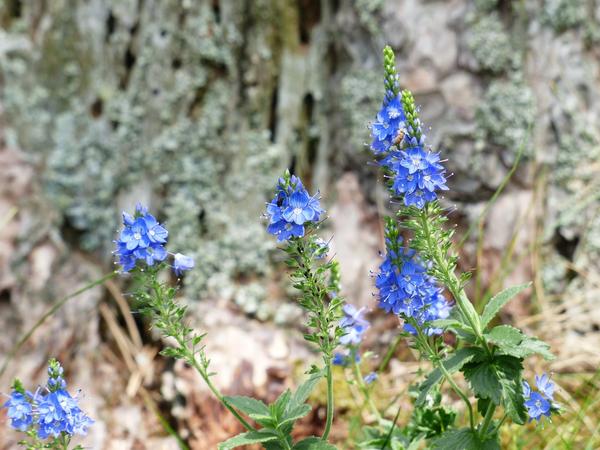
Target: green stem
(390, 353)
(453, 283)
(329, 420)
(50, 312)
(489, 414)
(389, 436)
(435, 359)
(365, 390)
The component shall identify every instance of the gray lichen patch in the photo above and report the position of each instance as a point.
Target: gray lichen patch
(505, 116)
(491, 45)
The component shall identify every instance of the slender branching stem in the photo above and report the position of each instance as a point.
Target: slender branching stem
(436, 360)
(365, 390)
(177, 331)
(390, 353)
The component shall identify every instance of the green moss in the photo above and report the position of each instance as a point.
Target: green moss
(490, 44)
(506, 115)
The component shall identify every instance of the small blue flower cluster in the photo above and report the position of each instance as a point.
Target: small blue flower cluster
(539, 404)
(50, 414)
(354, 325)
(143, 239)
(416, 172)
(407, 290)
(291, 209)
(388, 128)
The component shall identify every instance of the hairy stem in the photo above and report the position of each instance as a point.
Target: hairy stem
(329, 420)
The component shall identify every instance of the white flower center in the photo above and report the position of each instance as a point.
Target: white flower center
(297, 211)
(137, 236)
(151, 233)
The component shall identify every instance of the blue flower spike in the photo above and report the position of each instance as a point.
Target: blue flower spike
(142, 239)
(49, 413)
(292, 209)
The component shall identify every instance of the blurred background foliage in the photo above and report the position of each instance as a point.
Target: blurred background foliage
(194, 107)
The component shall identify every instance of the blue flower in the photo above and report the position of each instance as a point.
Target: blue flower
(141, 239)
(339, 359)
(417, 175)
(353, 316)
(20, 410)
(343, 359)
(181, 263)
(354, 325)
(51, 417)
(526, 390)
(537, 406)
(545, 386)
(291, 209)
(370, 377)
(387, 128)
(406, 289)
(354, 335)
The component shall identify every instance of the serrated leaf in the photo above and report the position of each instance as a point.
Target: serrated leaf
(266, 421)
(170, 352)
(530, 346)
(304, 390)
(295, 413)
(505, 336)
(251, 437)
(499, 379)
(464, 439)
(249, 405)
(281, 404)
(498, 301)
(313, 443)
(451, 364)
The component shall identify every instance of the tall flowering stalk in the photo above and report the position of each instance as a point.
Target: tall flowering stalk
(294, 217)
(415, 273)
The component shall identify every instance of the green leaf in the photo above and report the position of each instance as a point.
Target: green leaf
(449, 323)
(266, 421)
(498, 301)
(505, 336)
(304, 390)
(499, 379)
(451, 364)
(295, 413)
(251, 437)
(529, 346)
(281, 404)
(249, 405)
(464, 439)
(512, 341)
(313, 443)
